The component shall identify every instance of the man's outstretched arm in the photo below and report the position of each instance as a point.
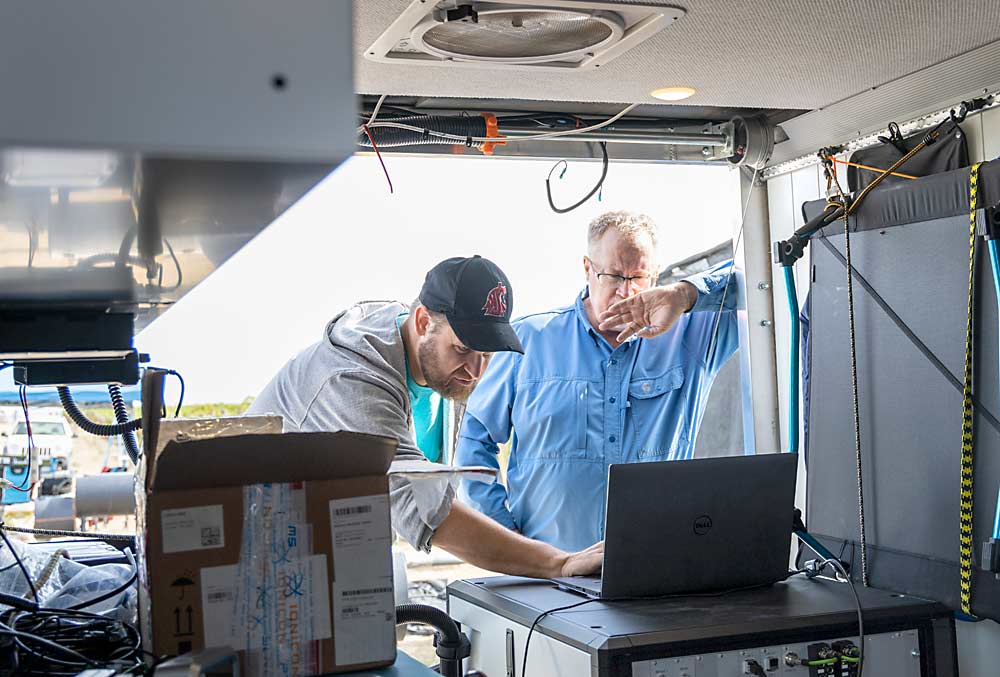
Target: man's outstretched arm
(481, 541)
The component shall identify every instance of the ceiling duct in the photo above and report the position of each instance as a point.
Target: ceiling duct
(553, 35)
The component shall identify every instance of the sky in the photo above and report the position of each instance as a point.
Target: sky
(349, 239)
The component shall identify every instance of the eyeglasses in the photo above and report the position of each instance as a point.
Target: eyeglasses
(615, 281)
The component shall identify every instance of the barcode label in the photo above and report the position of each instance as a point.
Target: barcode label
(211, 536)
(353, 510)
(194, 528)
(222, 596)
(365, 591)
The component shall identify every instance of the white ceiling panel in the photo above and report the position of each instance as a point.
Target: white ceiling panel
(779, 54)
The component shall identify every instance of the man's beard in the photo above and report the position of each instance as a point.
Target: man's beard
(439, 381)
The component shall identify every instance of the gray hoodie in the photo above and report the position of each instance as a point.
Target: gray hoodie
(355, 379)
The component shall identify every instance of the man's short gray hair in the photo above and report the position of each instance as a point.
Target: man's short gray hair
(630, 224)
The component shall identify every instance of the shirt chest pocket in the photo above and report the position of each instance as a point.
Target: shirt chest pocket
(657, 419)
(550, 416)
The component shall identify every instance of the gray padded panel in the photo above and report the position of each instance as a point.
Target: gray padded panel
(910, 414)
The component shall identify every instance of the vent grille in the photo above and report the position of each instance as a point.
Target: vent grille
(560, 34)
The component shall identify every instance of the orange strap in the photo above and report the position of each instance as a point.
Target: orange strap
(872, 169)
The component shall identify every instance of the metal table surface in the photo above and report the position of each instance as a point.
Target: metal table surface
(775, 609)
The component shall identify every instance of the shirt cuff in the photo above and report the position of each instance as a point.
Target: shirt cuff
(701, 288)
(413, 520)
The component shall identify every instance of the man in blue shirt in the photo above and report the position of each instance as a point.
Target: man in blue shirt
(582, 397)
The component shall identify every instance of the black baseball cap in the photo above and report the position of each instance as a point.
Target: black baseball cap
(476, 297)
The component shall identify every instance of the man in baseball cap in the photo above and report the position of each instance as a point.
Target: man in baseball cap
(386, 369)
(477, 299)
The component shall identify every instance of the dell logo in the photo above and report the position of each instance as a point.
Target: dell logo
(702, 525)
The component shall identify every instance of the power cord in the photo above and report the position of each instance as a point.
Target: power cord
(725, 290)
(72, 639)
(843, 577)
(20, 563)
(597, 187)
(720, 593)
(180, 380)
(531, 630)
(26, 484)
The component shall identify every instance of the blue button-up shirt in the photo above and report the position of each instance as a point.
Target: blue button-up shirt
(572, 405)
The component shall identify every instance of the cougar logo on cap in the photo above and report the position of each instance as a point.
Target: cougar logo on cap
(496, 301)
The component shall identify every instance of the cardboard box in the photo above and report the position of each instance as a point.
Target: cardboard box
(278, 545)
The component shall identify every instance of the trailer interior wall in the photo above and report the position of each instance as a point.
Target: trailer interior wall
(978, 643)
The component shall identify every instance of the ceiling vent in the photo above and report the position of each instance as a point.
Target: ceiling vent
(552, 35)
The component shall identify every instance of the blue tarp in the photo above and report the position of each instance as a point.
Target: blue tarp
(82, 395)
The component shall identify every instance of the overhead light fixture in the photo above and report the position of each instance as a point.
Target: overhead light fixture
(673, 93)
(547, 35)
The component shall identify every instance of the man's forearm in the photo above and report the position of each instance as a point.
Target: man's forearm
(480, 541)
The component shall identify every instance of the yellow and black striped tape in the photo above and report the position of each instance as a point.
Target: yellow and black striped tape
(965, 517)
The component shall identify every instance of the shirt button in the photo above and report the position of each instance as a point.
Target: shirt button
(612, 400)
(611, 439)
(614, 362)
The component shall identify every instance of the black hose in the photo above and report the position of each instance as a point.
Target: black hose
(428, 615)
(121, 415)
(461, 125)
(452, 644)
(99, 429)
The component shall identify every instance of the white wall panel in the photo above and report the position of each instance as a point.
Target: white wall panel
(991, 133)
(973, 128)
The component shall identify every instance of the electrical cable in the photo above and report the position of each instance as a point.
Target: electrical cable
(15, 601)
(92, 427)
(739, 236)
(177, 266)
(650, 598)
(597, 187)
(81, 639)
(61, 532)
(20, 563)
(496, 139)
(539, 617)
(180, 380)
(121, 415)
(117, 591)
(846, 578)
(378, 105)
(379, 156)
(26, 484)
(180, 399)
(52, 646)
(371, 138)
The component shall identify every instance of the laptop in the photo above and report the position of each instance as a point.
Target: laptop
(704, 525)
